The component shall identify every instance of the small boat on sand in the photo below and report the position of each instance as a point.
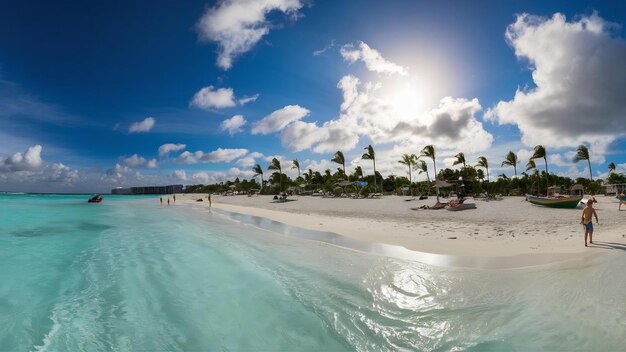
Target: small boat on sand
(555, 201)
(95, 199)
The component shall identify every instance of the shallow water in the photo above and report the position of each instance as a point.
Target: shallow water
(134, 275)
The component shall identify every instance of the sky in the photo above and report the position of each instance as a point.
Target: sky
(114, 94)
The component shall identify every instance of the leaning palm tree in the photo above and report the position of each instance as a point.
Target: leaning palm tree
(611, 167)
(409, 161)
(460, 159)
(429, 152)
(582, 153)
(258, 171)
(371, 155)
(295, 164)
(511, 160)
(421, 165)
(531, 165)
(540, 152)
(482, 162)
(339, 159)
(275, 165)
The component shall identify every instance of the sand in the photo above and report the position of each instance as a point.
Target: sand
(510, 227)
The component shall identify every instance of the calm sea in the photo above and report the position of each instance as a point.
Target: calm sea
(131, 275)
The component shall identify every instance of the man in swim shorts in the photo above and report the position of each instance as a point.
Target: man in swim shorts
(586, 220)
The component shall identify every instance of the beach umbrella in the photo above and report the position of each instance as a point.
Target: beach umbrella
(302, 185)
(344, 183)
(360, 183)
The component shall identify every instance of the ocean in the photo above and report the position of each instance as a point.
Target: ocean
(132, 275)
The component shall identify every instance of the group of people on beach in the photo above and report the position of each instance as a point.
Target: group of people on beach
(168, 199)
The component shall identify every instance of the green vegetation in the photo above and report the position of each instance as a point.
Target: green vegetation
(468, 179)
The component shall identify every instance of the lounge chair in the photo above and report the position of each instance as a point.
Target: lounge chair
(461, 206)
(438, 205)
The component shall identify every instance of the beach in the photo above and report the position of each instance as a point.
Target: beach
(510, 227)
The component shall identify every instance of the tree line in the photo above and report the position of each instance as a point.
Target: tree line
(468, 179)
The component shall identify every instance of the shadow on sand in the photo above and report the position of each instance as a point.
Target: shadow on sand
(608, 245)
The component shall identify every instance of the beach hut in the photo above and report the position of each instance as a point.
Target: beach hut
(554, 190)
(577, 189)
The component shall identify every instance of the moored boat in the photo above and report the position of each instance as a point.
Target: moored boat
(555, 201)
(95, 199)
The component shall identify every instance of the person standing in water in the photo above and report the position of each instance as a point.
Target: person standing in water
(161, 199)
(174, 196)
(586, 220)
(168, 200)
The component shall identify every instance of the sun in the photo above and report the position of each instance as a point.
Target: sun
(406, 99)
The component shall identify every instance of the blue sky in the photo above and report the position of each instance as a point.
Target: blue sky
(308, 78)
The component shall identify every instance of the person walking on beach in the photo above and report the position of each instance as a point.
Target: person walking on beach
(586, 220)
(174, 196)
(209, 198)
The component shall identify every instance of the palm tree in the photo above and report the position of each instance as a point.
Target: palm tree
(482, 162)
(308, 176)
(409, 161)
(339, 159)
(460, 159)
(531, 165)
(429, 152)
(611, 167)
(275, 165)
(358, 173)
(258, 170)
(540, 152)
(371, 155)
(511, 160)
(480, 174)
(295, 164)
(582, 153)
(421, 165)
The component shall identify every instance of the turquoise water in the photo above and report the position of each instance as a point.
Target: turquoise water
(129, 275)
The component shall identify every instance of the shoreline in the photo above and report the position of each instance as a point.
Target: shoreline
(504, 233)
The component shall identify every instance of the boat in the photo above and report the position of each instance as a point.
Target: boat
(555, 201)
(95, 199)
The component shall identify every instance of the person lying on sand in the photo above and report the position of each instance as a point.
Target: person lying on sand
(586, 220)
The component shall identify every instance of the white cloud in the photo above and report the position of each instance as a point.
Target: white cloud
(209, 97)
(180, 174)
(29, 160)
(237, 25)
(364, 113)
(134, 161)
(373, 60)
(137, 160)
(167, 148)
(29, 169)
(250, 99)
(142, 126)
(578, 70)
(233, 125)
(324, 49)
(249, 160)
(279, 119)
(218, 155)
(300, 135)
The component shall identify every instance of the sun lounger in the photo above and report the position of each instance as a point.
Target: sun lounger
(463, 206)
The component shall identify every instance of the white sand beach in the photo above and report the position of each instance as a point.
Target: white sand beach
(509, 227)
